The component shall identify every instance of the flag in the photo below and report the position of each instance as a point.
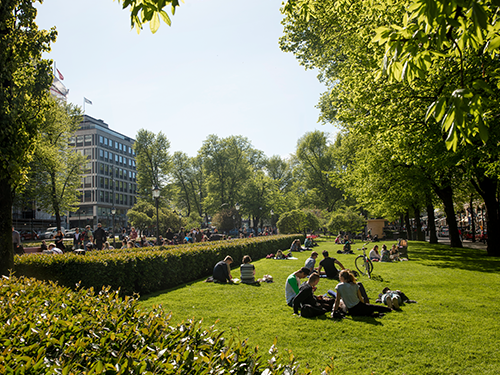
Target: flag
(61, 77)
(87, 101)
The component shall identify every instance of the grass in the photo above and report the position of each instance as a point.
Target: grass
(453, 329)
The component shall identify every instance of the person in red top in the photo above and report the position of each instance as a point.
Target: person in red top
(133, 234)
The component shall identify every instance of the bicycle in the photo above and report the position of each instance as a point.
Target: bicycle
(363, 263)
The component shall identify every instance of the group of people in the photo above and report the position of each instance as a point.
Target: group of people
(385, 255)
(222, 271)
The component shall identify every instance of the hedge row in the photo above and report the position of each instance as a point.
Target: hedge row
(144, 270)
(48, 329)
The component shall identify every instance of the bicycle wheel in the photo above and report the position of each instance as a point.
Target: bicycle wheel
(360, 264)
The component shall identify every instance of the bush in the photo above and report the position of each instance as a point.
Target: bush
(48, 329)
(144, 270)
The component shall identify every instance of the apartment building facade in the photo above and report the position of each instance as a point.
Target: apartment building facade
(109, 183)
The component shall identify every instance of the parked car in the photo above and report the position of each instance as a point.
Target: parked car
(28, 235)
(51, 232)
(444, 232)
(70, 233)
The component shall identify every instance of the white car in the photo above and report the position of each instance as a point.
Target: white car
(51, 232)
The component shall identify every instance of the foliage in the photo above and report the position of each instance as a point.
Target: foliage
(24, 82)
(144, 270)
(346, 220)
(462, 37)
(50, 329)
(317, 164)
(295, 221)
(153, 162)
(56, 168)
(142, 12)
(227, 164)
(187, 174)
(227, 219)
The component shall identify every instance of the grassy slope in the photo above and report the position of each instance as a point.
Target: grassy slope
(453, 329)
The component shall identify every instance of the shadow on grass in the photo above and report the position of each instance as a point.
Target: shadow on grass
(443, 256)
(367, 319)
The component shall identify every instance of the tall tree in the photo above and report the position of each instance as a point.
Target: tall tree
(56, 168)
(153, 162)
(187, 174)
(317, 165)
(227, 164)
(24, 82)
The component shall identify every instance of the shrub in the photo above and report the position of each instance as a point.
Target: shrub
(48, 329)
(144, 270)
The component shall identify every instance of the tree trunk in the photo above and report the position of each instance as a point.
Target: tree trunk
(431, 225)
(446, 196)
(487, 189)
(408, 226)
(420, 234)
(473, 222)
(6, 247)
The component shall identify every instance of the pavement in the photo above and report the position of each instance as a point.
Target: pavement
(465, 243)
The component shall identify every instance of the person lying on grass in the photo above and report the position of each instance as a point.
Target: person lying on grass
(222, 272)
(308, 304)
(292, 284)
(349, 291)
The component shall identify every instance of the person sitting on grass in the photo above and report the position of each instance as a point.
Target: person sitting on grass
(296, 246)
(328, 264)
(349, 292)
(394, 255)
(311, 261)
(374, 255)
(222, 272)
(385, 256)
(247, 271)
(52, 249)
(310, 305)
(292, 284)
(308, 243)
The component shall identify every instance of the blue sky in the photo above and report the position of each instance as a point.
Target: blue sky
(217, 70)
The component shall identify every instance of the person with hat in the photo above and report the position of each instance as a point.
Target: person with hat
(87, 236)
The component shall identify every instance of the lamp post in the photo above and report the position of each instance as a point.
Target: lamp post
(237, 206)
(272, 225)
(113, 212)
(156, 195)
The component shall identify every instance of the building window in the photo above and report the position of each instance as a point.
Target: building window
(105, 141)
(101, 139)
(101, 196)
(101, 182)
(87, 196)
(101, 154)
(88, 182)
(79, 140)
(120, 146)
(88, 153)
(116, 145)
(72, 141)
(88, 140)
(121, 159)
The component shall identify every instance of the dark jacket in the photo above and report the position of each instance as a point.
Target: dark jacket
(221, 272)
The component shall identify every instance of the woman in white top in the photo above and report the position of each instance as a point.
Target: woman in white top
(374, 254)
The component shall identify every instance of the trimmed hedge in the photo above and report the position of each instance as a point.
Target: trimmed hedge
(48, 329)
(145, 270)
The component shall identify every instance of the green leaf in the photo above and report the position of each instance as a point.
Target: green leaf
(479, 84)
(430, 111)
(492, 44)
(165, 18)
(154, 24)
(483, 130)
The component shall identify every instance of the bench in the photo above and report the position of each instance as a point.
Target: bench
(30, 250)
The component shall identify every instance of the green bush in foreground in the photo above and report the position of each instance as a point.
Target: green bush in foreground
(48, 329)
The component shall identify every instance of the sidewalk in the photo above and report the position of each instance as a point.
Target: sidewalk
(465, 243)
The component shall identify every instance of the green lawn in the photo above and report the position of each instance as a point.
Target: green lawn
(453, 329)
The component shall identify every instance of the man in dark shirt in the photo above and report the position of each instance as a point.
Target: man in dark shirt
(329, 265)
(99, 237)
(221, 271)
(307, 302)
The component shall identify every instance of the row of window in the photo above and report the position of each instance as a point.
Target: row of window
(118, 159)
(107, 170)
(103, 141)
(107, 197)
(106, 183)
(81, 140)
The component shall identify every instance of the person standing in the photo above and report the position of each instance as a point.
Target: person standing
(99, 237)
(16, 242)
(59, 240)
(87, 236)
(77, 239)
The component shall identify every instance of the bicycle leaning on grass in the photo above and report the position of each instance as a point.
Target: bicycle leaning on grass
(363, 263)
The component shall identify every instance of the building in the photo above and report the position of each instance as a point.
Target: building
(110, 175)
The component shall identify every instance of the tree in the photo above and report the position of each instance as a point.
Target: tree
(153, 162)
(56, 168)
(317, 165)
(187, 176)
(227, 164)
(346, 220)
(24, 82)
(294, 221)
(143, 217)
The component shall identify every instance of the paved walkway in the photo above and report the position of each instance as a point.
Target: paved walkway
(469, 244)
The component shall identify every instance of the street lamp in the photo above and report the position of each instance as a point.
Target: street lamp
(237, 206)
(156, 195)
(113, 212)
